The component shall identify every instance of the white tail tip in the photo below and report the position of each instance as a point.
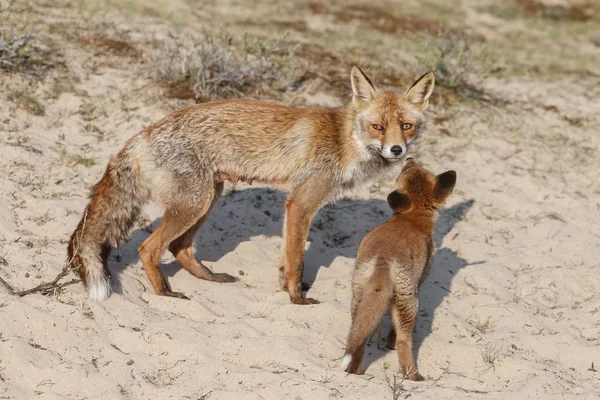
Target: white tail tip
(346, 361)
(99, 290)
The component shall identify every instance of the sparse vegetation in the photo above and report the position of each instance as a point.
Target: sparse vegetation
(27, 102)
(117, 46)
(379, 18)
(491, 355)
(394, 381)
(578, 12)
(481, 326)
(219, 66)
(86, 162)
(20, 51)
(458, 65)
(72, 160)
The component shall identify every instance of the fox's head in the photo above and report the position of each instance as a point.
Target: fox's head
(417, 188)
(388, 120)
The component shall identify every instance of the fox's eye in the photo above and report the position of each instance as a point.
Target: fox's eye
(378, 127)
(406, 127)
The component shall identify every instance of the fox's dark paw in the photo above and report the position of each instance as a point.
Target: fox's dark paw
(303, 300)
(417, 377)
(355, 370)
(174, 294)
(224, 278)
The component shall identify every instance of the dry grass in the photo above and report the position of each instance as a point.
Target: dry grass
(381, 19)
(491, 355)
(22, 53)
(458, 64)
(394, 382)
(570, 12)
(483, 326)
(117, 46)
(19, 50)
(581, 12)
(27, 102)
(219, 66)
(72, 160)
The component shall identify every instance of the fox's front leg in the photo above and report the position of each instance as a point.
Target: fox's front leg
(300, 207)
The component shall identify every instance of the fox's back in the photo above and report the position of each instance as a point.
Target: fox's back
(259, 140)
(397, 246)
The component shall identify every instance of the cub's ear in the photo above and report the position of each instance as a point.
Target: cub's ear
(444, 184)
(419, 92)
(362, 88)
(398, 201)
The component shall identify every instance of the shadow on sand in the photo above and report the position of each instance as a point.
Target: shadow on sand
(337, 230)
(435, 288)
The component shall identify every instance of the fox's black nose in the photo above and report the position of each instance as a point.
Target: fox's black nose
(396, 150)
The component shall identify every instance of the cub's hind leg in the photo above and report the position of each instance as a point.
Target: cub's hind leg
(404, 315)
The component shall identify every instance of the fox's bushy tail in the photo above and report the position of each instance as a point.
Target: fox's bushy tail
(375, 299)
(115, 203)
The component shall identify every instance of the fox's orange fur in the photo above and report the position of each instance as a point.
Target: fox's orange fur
(181, 161)
(392, 262)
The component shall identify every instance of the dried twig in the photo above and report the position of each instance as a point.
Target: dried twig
(53, 284)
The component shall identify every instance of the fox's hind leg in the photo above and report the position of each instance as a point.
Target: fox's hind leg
(179, 217)
(404, 315)
(182, 247)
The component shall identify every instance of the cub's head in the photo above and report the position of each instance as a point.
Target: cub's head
(417, 188)
(388, 120)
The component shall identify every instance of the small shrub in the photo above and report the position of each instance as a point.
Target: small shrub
(19, 51)
(217, 66)
(456, 64)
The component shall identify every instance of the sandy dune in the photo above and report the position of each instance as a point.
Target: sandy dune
(511, 309)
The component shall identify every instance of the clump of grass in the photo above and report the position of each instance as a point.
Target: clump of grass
(491, 354)
(218, 66)
(86, 162)
(457, 64)
(27, 102)
(481, 326)
(19, 51)
(72, 160)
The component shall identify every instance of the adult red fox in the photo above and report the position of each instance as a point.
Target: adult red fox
(392, 262)
(182, 161)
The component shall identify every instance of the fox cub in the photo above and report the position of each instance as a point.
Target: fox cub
(392, 262)
(182, 161)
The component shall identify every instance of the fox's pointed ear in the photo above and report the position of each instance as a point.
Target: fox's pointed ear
(419, 92)
(398, 201)
(444, 184)
(362, 88)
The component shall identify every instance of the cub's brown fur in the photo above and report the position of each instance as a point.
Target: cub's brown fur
(182, 161)
(392, 262)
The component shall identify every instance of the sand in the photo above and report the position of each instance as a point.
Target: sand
(511, 309)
